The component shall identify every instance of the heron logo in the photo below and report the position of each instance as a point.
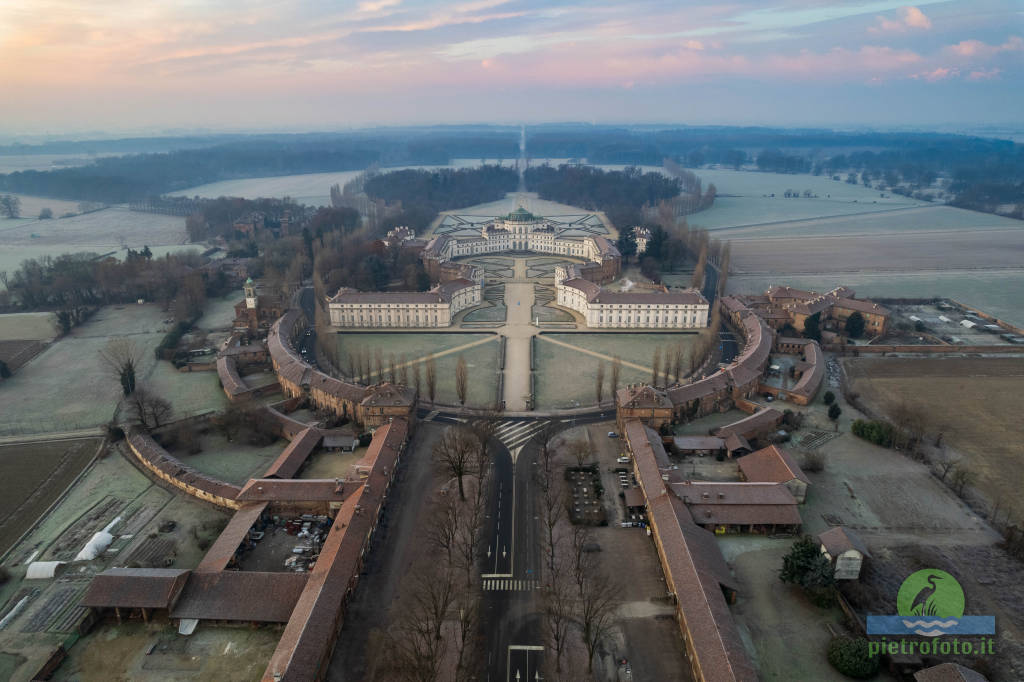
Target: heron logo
(930, 603)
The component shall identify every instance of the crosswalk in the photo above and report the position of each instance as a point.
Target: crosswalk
(511, 584)
(515, 434)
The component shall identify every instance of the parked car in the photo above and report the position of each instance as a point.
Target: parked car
(623, 460)
(612, 434)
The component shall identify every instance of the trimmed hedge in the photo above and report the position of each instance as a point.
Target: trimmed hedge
(851, 657)
(875, 431)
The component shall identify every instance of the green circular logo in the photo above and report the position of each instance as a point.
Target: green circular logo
(930, 593)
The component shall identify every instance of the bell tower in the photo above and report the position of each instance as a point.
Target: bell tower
(250, 294)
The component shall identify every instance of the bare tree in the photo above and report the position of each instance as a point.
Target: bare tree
(378, 362)
(558, 615)
(431, 378)
(655, 366)
(552, 509)
(461, 379)
(455, 451)
(416, 378)
(596, 611)
(467, 602)
(392, 373)
(417, 647)
(616, 373)
(443, 531)
(403, 370)
(121, 357)
(600, 381)
(945, 464)
(150, 409)
(581, 565)
(580, 450)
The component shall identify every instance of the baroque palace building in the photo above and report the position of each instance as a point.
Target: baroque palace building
(523, 231)
(405, 309)
(603, 309)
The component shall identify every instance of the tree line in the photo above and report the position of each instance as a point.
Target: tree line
(442, 189)
(75, 284)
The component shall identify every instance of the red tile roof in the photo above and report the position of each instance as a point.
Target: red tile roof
(771, 464)
(240, 596)
(151, 588)
(224, 547)
(295, 454)
(297, 490)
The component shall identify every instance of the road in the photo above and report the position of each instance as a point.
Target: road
(511, 564)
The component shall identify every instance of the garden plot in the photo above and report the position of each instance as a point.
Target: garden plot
(34, 475)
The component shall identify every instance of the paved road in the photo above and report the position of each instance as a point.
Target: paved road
(518, 331)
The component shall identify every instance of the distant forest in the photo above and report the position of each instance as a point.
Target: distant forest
(622, 195)
(973, 172)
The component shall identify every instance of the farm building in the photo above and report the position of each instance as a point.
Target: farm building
(740, 507)
(845, 550)
(775, 465)
(698, 445)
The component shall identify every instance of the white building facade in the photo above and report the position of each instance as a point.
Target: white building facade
(383, 309)
(602, 309)
(522, 231)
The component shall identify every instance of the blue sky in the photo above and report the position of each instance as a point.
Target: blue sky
(123, 64)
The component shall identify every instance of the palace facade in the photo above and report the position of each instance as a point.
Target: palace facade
(523, 231)
(602, 309)
(406, 309)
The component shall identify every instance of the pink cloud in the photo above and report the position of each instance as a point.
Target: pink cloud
(983, 75)
(693, 45)
(976, 48)
(910, 17)
(940, 74)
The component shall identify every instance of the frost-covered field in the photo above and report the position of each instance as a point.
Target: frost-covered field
(66, 387)
(28, 326)
(997, 292)
(98, 232)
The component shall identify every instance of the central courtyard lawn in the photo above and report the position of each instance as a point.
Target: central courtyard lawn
(637, 348)
(564, 375)
(481, 359)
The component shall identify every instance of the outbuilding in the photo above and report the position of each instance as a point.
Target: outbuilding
(845, 550)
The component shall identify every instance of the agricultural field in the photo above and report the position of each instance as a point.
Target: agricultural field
(982, 422)
(31, 206)
(312, 189)
(67, 387)
(28, 326)
(34, 475)
(100, 232)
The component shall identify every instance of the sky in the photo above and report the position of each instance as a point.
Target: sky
(135, 65)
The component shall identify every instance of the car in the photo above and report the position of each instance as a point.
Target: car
(623, 460)
(612, 434)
